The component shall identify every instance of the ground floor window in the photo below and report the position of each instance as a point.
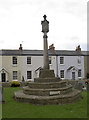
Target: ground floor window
(14, 75)
(62, 73)
(29, 74)
(50, 60)
(79, 73)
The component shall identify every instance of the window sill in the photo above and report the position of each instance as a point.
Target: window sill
(62, 78)
(50, 64)
(29, 64)
(62, 64)
(14, 65)
(79, 64)
(79, 77)
(29, 80)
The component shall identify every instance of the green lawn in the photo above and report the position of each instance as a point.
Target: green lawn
(13, 109)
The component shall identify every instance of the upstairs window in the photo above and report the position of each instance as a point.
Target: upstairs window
(79, 59)
(50, 60)
(28, 60)
(61, 60)
(14, 75)
(14, 60)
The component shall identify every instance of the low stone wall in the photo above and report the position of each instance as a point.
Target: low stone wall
(77, 84)
(23, 83)
(5, 84)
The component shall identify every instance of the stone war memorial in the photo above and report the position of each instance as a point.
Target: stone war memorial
(47, 89)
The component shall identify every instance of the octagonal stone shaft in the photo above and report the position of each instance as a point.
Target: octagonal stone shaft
(46, 59)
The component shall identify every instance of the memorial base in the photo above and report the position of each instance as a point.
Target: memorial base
(47, 89)
(46, 73)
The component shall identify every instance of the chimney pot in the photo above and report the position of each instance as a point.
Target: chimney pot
(20, 48)
(51, 47)
(78, 48)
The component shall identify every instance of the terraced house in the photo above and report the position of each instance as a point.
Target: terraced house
(26, 64)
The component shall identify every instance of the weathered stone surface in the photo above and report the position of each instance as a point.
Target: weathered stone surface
(46, 92)
(47, 89)
(46, 73)
(47, 85)
(57, 99)
(47, 79)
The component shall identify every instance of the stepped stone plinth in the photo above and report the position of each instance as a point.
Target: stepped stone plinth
(46, 73)
(47, 89)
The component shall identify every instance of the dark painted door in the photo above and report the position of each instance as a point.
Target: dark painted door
(73, 75)
(3, 77)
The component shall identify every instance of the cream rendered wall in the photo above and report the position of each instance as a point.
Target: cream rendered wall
(7, 64)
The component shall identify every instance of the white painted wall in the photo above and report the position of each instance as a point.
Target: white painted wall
(71, 61)
(36, 62)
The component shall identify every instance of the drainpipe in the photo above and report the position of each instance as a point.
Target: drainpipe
(57, 65)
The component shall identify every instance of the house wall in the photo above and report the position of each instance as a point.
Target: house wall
(7, 64)
(36, 62)
(71, 61)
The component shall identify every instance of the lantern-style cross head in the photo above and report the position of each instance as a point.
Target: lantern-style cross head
(45, 25)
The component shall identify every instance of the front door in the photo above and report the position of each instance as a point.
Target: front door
(73, 75)
(3, 75)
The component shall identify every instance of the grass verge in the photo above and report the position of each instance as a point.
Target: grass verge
(13, 109)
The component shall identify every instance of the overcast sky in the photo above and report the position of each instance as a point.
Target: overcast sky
(20, 22)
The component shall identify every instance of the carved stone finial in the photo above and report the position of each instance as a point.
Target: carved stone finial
(45, 17)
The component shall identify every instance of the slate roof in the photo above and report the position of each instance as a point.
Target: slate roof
(40, 53)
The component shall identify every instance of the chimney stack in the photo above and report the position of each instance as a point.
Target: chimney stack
(78, 48)
(51, 47)
(20, 48)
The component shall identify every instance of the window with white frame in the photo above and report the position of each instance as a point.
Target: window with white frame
(79, 73)
(14, 60)
(61, 60)
(79, 59)
(28, 60)
(50, 60)
(14, 75)
(29, 74)
(61, 73)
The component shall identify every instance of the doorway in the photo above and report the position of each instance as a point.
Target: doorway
(73, 75)
(3, 77)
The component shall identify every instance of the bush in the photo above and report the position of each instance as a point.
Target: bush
(15, 84)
